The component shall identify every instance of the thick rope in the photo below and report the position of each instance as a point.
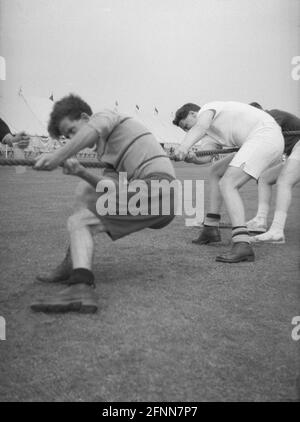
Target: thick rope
(30, 163)
(285, 133)
(204, 153)
(96, 164)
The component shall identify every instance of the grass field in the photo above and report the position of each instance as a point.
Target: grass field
(173, 325)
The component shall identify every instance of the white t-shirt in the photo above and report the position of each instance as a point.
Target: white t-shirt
(207, 142)
(233, 122)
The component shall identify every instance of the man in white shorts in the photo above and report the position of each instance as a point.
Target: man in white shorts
(259, 137)
(287, 179)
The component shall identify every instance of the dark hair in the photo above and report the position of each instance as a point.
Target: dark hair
(71, 106)
(183, 111)
(256, 105)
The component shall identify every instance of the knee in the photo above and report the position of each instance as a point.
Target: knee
(74, 222)
(225, 182)
(84, 192)
(283, 184)
(263, 180)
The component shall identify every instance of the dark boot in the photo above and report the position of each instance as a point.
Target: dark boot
(61, 273)
(209, 234)
(76, 298)
(240, 251)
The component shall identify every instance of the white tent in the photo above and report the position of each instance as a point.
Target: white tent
(22, 112)
(164, 131)
(26, 113)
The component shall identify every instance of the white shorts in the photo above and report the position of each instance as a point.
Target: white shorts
(295, 154)
(262, 149)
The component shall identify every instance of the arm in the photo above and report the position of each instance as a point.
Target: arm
(21, 139)
(86, 137)
(90, 178)
(192, 158)
(198, 160)
(5, 134)
(207, 143)
(8, 139)
(195, 134)
(73, 167)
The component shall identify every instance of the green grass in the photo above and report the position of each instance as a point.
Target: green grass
(173, 325)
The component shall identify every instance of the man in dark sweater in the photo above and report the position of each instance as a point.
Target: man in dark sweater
(7, 138)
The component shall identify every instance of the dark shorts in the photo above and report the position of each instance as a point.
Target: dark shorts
(119, 225)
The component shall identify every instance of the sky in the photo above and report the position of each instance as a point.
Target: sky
(153, 53)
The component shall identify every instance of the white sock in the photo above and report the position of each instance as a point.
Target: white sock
(262, 212)
(278, 221)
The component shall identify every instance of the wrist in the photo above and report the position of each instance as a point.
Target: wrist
(56, 157)
(81, 172)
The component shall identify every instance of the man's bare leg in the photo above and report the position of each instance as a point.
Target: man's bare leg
(211, 233)
(258, 224)
(85, 198)
(288, 178)
(82, 226)
(80, 295)
(216, 172)
(233, 179)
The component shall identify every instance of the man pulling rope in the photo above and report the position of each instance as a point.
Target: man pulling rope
(123, 145)
(260, 143)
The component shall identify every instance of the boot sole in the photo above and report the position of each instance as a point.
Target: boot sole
(221, 225)
(205, 242)
(52, 280)
(83, 307)
(235, 261)
(266, 242)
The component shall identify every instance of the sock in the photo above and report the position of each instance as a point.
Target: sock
(240, 234)
(212, 220)
(262, 212)
(278, 221)
(82, 276)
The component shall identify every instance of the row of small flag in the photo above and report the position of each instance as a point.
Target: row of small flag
(51, 98)
(137, 107)
(116, 104)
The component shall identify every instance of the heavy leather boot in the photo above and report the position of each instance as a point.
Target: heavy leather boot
(209, 234)
(61, 273)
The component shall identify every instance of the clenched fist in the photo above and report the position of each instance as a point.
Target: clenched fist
(73, 167)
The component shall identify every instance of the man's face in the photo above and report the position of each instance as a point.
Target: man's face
(69, 128)
(190, 121)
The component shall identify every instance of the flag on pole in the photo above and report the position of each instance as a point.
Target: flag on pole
(116, 106)
(51, 98)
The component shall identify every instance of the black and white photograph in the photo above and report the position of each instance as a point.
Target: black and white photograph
(149, 204)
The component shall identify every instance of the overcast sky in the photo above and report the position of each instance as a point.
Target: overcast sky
(159, 53)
